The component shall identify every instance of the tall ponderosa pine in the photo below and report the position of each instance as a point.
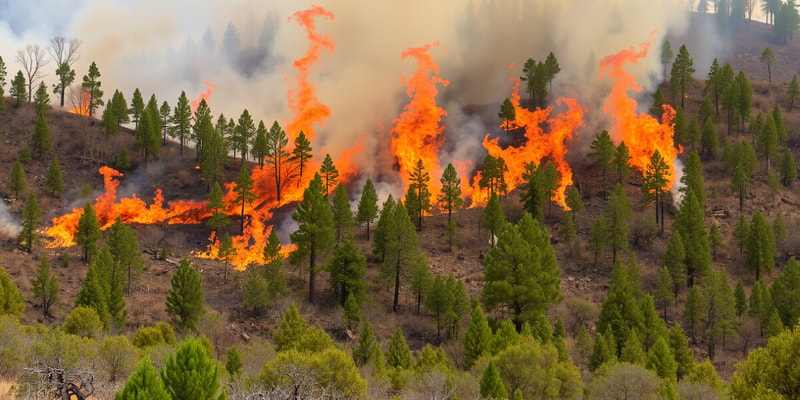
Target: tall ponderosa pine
(522, 251)
(184, 302)
(31, 220)
(693, 178)
(347, 267)
(41, 99)
(617, 215)
(367, 205)
(277, 155)
(493, 218)
(17, 182)
(329, 174)
(91, 86)
(124, 247)
(259, 150)
(243, 134)
(181, 120)
(533, 194)
(218, 219)
(18, 88)
(314, 234)
(401, 249)
(788, 169)
(477, 337)
(54, 180)
(493, 175)
(381, 228)
(666, 55)
(690, 225)
(620, 162)
(244, 191)
(343, 221)
(40, 140)
(786, 293)
(88, 232)
(681, 74)
(507, 114)
(793, 92)
(656, 178)
(620, 313)
(418, 181)
(603, 152)
(301, 153)
(718, 309)
(760, 246)
(449, 199)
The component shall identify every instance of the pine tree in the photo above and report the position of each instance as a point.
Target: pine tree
(277, 155)
(632, 351)
(343, 221)
(760, 247)
(352, 311)
(401, 251)
(741, 298)
(450, 197)
(675, 262)
(656, 178)
(603, 151)
(260, 149)
(769, 140)
(11, 302)
(493, 218)
(477, 337)
(368, 351)
(123, 161)
(225, 251)
(137, 106)
(419, 179)
(254, 291)
(419, 281)
(785, 293)
(491, 384)
(31, 220)
(17, 182)
(190, 374)
(533, 194)
(664, 294)
(381, 228)
(493, 175)
(219, 219)
(290, 330)
(185, 299)
(522, 251)
(620, 162)
(45, 287)
(244, 191)
(367, 205)
(604, 350)
(347, 267)
(18, 88)
(314, 234)
(598, 237)
(234, 363)
(95, 290)
(679, 344)
(692, 313)
(620, 312)
(399, 355)
(760, 303)
(144, 384)
(719, 309)
(301, 153)
(693, 178)
(793, 91)
(88, 232)
(741, 232)
(54, 180)
(40, 140)
(690, 225)
(329, 174)
(181, 120)
(276, 282)
(617, 215)
(507, 113)
(91, 85)
(681, 75)
(788, 169)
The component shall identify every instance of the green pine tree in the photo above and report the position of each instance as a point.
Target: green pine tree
(603, 152)
(17, 182)
(185, 299)
(493, 218)
(399, 355)
(11, 302)
(40, 140)
(88, 232)
(144, 384)
(352, 311)
(123, 244)
(329, 174)
(477, 337)
(343, 221)
(301, 153)
(760, 247)
(54, 180)
(491, 384)
(190, 374)
(31, 220)
(45, 287)
(367, 350)
(244, 192)
(347, 267)
(367, 205)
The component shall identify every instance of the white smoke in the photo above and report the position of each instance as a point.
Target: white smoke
(246, 47)
(9, 225)
(677, 188)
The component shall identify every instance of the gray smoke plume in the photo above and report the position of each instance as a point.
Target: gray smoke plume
(9, 225)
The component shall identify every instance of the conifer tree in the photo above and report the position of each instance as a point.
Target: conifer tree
(690, 225)
(450, 198)
(401, 250)
(244, 191)
(54, 180)
(446, 298)
(617, 215)
(368, 351)
(491, 384)
(352, 311)
(793, 91)
(693, 178)
(604, 350)
(277, 155)
(620, 162)
(273, 261)
(785, 293)
(45, 287)
(656, 177)
(768, 140)
(493, 218)
(381, 228)
(190, 374)
(692, 313)
(91, 85)
(477, 337)
(254, 291)
(760, 254)
(632, 351)
(620, 312)
(185, 299)
(598, 237)
(675, 262)
(95, 289)
(419, 281)
(522, 251)
(88, 232)
(329, 174)
(603, 151)
(18, 89)
(40, 140)
(343, 221)
(760, 304)
(290, 330)
(661, 360)
(11, 302)
(219, 219)
(144, 384)
(301, 153)
(533, 194)
(224, 252)
(681, 74)
(679, 344)
(788, 169)
(137, 106)
(507, 113)
(741, 232)
(399, 355)
(31, 220)
(664, 294)
(367, 205)
(419, 180)
(17, 182)
(719, 310)
(260, 149)
(347, 267)
(314, 234)
(740, 298)
(181, 120)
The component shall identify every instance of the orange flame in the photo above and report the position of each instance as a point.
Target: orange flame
(131, 210)
(417, 132)
(83, 107)
(203, 96)
(538, 146)
(642, 133)
(303, 100)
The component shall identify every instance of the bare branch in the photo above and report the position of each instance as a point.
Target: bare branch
(64, 50)
(32, 59)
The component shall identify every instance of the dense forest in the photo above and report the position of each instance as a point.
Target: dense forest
(266, 268)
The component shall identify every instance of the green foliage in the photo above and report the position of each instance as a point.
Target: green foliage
(655, 179)
(788, 168)
(276, 155)
(184, 302)
(598, 236)
(123, 161)
(367, 350)
(347, 267)
(623, 381)
(399, 356)
(352, 311)
(402, 251)
(31, 220)
(718, 309)
(664, 294)
(329, 174)
(620, 162)
(343, 221)
(603, 151)
(741, 298)
(690, 225)
(314, 234)
(11, 302)
(449, 198)
(123, 245)
(785, 293)
(17, 182)
(447, 300)
(604, 350)
(771, 371)
(233, 364)
(493, 218)
(681, 74)
(661, 360)
(254, 291)
(522, 251)
(181, 119)
(40, 139)
(260, 150)
(190, 374)
(144, 384)
(91, 86)
(117, 357)
(507, 113)
(244, 191)
(54, 180)
(491, 384)
(620, 313)
(418, 199)
(684, 356)
(331, 370)
(632, 351)
(477, 337)
(793, 91)
(45, 286)
(705, 373)
(367, 205)
(493, 175)
(293, 333)
(536, 370)
(760, 246)
(382, 228)
(83, 321)
(301, 153)
(18, 88)
(88, 232)
(617, 215)
(219, 219)
(159, 334)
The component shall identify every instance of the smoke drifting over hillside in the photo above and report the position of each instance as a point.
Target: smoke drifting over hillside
(245, 47)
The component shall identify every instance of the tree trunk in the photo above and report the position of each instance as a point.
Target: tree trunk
(396, 305)
(311, 274)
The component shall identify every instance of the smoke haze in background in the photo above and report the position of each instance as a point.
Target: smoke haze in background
(9, 226)
(245, 47)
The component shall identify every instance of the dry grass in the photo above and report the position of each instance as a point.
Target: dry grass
(5, 389)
